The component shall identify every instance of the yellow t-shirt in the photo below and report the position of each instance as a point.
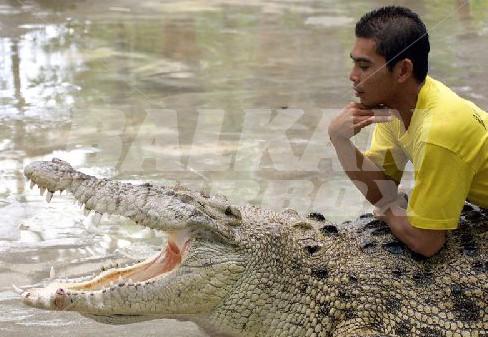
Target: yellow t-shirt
(447, 142)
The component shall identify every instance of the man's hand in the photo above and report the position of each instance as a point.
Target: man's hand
(353, 118)
(400, 202)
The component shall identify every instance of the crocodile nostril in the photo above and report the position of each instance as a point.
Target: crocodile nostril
(60, 299)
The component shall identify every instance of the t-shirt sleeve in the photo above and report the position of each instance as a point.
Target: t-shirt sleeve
(442, 182)
(386, 153)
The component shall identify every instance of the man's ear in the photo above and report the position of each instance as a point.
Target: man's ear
(403, 70)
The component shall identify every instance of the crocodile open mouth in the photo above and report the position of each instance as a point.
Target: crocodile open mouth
(137, 276)
(112, 282)
(149, 270)
(153, 268)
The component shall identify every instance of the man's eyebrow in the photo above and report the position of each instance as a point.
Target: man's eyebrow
(360, 59)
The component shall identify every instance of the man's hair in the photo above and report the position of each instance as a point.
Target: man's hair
(399, 34)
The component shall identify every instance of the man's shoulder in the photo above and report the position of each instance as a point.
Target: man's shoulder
(442, 99)
(458, 129)
(438, 96)
(447, 114)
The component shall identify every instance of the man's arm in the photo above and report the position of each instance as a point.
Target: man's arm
(374, 184)
(379, 189)
(426, 242)
(371, 181)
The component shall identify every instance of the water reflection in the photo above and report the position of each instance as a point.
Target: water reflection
(162, 91)
(463, 8)
(58, 6)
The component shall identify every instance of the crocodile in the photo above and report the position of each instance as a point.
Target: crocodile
(246, 271)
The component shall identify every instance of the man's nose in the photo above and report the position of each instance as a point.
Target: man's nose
(354, 75)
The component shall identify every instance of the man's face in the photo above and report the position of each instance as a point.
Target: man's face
(373, 82)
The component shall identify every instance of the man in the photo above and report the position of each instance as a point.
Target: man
(421, 120)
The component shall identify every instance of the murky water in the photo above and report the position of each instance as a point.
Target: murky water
(231, 97)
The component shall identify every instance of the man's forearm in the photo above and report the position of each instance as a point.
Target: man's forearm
(423, 241)
(372, 182)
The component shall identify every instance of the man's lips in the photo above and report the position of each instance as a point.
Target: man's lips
(358, 92)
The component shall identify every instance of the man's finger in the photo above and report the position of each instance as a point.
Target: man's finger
(372, 112)
(361, 118)
(357, 120)
(381, 119)
(364, 112)
(382, 112)
(362, 124)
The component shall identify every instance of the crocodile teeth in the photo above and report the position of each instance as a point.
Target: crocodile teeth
(42, 190)
(52, 273)
(17, 289)
(32, 184)
(49, 196)
(96, 218)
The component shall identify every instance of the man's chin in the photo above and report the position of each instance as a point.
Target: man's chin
(371, 105)
(365, 102)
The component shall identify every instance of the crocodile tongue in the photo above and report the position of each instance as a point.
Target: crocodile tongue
(165, 262)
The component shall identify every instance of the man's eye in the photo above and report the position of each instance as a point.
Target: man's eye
(363, 67)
